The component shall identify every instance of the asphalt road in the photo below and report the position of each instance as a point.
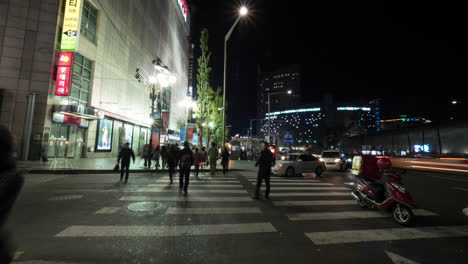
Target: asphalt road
(95, 219)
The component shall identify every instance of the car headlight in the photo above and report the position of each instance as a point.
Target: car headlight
(279, 165)
(337, 160)
(401, 188)
(321, 160)
(349, 160)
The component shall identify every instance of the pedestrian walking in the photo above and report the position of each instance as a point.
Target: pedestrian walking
(164, 157)
(125, 154)
(264, 164)
(204, 157)
(185, 162)
(147, 154)
(171, 161)
(44, 153)
(156, 156)
(198, 161)
(225, 160)
(212, 157)
(11, 182)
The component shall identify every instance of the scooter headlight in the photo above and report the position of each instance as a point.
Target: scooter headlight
(400, 187)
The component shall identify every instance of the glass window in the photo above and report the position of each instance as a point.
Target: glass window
(82, 71)
(292, 157)
(89, 21)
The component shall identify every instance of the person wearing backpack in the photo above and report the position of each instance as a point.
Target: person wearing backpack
(185, 162)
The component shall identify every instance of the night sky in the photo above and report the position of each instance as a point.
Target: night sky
(409, 54)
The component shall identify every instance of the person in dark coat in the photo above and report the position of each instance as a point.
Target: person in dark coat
(125, 154)
(164, 157)
(11, 182)
(147, 155)
(185, 162)
(264, 164)
(171, 161)
(225, 160)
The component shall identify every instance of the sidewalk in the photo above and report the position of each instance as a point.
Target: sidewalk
(106, 165)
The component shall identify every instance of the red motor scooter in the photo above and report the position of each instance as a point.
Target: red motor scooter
(389, 194)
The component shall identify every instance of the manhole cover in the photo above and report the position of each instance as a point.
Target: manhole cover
(65, 197)
(145, 206)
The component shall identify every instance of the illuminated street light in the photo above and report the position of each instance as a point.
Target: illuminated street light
(289, 92)
(211, 124)
(454, 102)
(243, 12)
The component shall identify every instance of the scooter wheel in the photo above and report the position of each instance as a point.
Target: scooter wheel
(402, 214)
(361, 203)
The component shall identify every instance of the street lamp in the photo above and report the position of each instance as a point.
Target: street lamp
(242, 12)
(269, 107)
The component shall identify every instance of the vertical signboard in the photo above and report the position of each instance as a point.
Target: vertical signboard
(288, 137)
(183, 131)
(71, 24)
(62, 82)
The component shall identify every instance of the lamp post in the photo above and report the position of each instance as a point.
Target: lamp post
(242, 12)
(269, 118)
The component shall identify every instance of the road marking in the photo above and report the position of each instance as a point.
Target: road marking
(355, 236)
(107, 210)
(437, 168)
(313, 203)
(17, 255)
(298, 184)
(349, 215)
(190, 190)
(193, 184)
(202, 181)
(312, 194)
(462, 189)
(286, 181)
(397, 259)
(213, 210)
(161, 231)
(187, 199)
(301, 188)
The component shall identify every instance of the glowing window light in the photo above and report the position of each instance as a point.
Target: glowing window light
(350, 108)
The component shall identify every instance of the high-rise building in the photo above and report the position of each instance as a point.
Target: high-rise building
(68, 68)
(277, 84)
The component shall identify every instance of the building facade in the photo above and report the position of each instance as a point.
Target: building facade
(67, 73)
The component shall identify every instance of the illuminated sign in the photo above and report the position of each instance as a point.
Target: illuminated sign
(183, 8)
(62, 82)
(71, 24)
(353, 108)
(295, 111)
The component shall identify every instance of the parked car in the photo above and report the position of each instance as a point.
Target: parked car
(298, 163)
(334, 159)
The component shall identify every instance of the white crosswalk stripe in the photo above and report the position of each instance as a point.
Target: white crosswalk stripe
(355, 236)
(297, 184)
(201, 181)
(188, 198)
(108, 210)
(213, 210)
(162, 231)
(159, 190)
(349, 215)
(305, 188)
(311, 194)
(315, 203)
(202, 186)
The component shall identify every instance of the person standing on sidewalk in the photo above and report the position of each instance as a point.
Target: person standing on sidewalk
(198, 160)
(164, 157)
(225, 160)
(147, 155)
(156, 156)
(185, 162)
(264, 164)
(171, 161)
(11, 182)
(212, 157)
(125, 154)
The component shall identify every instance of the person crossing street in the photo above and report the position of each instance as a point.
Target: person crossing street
(264, 164)
(124, 155)
(213, 157)
(185, 162)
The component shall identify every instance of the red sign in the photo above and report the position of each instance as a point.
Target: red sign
(190, 133)
(62, 82)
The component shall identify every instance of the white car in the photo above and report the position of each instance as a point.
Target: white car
(333, 160)
(297, 163)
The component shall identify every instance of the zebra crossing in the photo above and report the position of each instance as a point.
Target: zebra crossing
(221, 197)
(300, 200)
(290, 194)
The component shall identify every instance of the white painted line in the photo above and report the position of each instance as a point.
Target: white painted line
(397, 259)
(312, 194)
(203, 186)
(201, 181)
(348, 215)
(158, 190)
(213, 210)
(187, 198)
(354, 236)
(297, 184)
(302, 188)
(108, 210)
(461, 189)
(274, 180)
(161, 231)
(314, 203)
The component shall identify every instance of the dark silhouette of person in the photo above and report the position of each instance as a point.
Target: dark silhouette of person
(125, 154)
(185, 162)
(264, 164)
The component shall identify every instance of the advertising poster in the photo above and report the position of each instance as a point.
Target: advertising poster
(104, 135)
(128, 134)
